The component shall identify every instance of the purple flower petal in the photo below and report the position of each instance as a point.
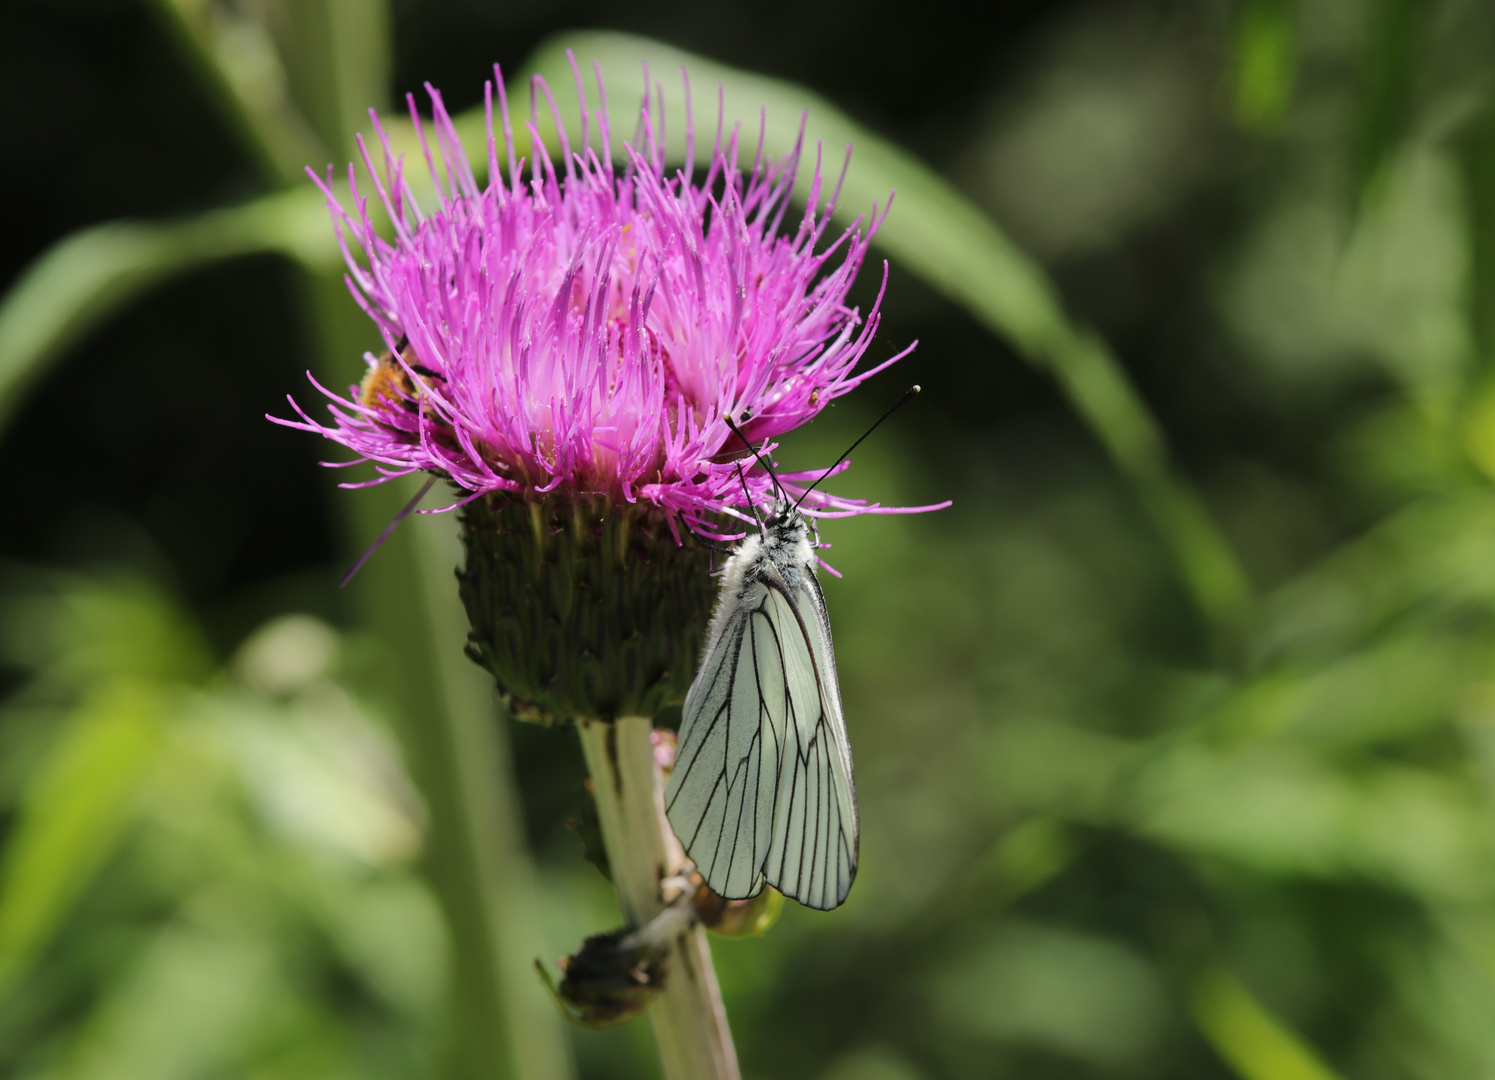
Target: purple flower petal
(587, 328)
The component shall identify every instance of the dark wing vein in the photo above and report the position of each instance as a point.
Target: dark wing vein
(788, 818)
(815, 824)
(717, 799)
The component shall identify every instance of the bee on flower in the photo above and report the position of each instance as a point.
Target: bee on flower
(585, 325)
(569, 342)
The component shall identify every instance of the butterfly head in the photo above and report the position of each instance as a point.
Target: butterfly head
(785, 526)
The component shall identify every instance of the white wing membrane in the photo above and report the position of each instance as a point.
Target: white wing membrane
(762, 788)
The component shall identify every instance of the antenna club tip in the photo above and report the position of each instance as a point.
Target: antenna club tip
(916, 388)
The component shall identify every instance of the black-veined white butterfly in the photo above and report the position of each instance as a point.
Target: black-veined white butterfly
(762, 789)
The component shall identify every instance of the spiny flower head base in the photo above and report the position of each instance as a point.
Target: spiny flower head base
(585, 330)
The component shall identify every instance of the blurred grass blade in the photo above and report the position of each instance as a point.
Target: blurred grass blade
(295, 80)
(940, 235)
(457, 746)
(75, 811)
(85, 277)
(236, 56)
(1264, 64)
(477, 771)
(1394, 29)
(1478, 159)
(1250, 1040)
(337, 60)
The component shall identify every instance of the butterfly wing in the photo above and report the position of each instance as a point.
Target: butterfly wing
(813, 853)
(721, 795)
(762, 786)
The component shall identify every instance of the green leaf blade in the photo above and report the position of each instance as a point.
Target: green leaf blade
(945, 239)
(76, 811)
(84, 278)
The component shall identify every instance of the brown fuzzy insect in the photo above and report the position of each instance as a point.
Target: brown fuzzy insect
(389, 383)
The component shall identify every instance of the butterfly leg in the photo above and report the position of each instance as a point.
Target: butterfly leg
(705, 542)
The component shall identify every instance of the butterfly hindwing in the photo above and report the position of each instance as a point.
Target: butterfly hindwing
(814, 851)
(812, 600)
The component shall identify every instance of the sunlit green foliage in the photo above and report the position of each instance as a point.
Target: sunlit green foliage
(208, 872)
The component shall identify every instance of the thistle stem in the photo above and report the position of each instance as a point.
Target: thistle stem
(499, 1028)
(690, 1024)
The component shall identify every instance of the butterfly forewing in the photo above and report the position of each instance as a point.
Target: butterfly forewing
(720, 798)
(762, 786)
(701, 755)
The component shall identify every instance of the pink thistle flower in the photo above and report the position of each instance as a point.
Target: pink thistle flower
(584, 327)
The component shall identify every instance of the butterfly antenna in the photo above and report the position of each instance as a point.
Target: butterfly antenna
(377, 544)
(761, 459)
(907, 394)
(748, 495)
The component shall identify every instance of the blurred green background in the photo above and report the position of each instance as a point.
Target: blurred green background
(1175, 736)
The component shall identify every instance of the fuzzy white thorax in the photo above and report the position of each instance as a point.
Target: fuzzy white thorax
(784, 545)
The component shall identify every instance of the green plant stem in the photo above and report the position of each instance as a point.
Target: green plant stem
(690, 1024)
(1255, 1044)
(502, 1025)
